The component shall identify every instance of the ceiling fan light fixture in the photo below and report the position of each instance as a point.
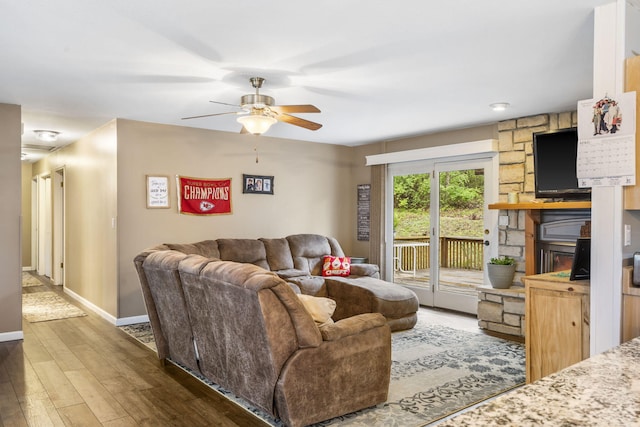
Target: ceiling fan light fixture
(499, 106)
(46, 135)
(256, 123)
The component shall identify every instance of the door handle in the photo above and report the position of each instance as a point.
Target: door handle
(486, 243)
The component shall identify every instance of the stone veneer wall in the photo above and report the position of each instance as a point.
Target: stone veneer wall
(516, 175)
(502, 310)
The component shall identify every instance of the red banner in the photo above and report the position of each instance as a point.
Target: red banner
(200, 196)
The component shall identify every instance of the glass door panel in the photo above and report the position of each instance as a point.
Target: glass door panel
(411, 235)
(459, 231)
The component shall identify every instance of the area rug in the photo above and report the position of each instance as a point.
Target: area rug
(43, 306)
(28, 280)
(436, 371)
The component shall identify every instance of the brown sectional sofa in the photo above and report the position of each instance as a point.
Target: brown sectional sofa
(245, 328)
(228, 309)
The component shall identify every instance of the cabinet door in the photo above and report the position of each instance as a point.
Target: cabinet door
(630, 317)
(555, 331)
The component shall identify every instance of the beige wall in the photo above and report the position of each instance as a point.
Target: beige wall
(90, 191)
(10, 285)
(313, 191)
(26, 215)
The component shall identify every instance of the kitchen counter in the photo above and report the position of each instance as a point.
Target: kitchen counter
(603, 390)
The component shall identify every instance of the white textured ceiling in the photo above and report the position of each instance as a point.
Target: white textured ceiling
(378, 70)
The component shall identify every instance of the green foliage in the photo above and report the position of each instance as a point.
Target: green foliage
(411, 191)
(453, 223)
(461, 189)
(458, 189)
(502, 261)
(461, 204)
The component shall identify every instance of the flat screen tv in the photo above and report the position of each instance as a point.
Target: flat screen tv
(554, 165)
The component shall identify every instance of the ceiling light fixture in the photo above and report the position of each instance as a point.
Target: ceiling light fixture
(256, 123)
(46, 135)
(499, 106)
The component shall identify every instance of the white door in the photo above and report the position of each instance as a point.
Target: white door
(45, 228)
(443, 233)
(58, 227)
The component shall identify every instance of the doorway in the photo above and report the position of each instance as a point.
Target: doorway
(58, 227)
(50, 213)
(443, 233)
(45, 227)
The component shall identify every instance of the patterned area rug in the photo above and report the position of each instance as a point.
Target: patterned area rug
(43, 306)
(28, 280)
(436, 371)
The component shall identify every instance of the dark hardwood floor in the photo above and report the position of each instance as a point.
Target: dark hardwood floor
(83, 371)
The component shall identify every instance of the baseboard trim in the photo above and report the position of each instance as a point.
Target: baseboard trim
(122, 321)
(11, 336)
(100, 312)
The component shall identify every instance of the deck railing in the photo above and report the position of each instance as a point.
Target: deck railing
(455, 252)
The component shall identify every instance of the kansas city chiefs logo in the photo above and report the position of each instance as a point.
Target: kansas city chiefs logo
(206, 206)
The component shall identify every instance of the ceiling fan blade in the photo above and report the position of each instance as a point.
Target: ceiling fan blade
(295, 108)
(211, 115)
(244, 130)
(224, 103)
(297, 121)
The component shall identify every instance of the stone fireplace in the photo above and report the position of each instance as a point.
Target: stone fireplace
(556, 238)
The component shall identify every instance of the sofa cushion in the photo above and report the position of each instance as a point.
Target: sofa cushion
(370, 295)
(247, 251)
(308, 251)
(336, 266)
(321, 309)
(291, 273)
(278, 254)
(310, 285)
(206, 248)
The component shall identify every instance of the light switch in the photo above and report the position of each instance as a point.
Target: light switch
(627, 235)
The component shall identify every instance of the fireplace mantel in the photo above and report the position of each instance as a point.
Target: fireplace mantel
(542, 205)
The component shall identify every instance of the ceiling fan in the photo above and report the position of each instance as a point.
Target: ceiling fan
(258, 112)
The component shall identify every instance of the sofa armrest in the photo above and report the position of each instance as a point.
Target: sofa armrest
(338, 377)
(351, 326)
(371, 270)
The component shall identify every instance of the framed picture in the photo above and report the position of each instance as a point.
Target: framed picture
(158, 192)
(257, 184)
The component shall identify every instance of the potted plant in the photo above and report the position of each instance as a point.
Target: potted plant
(501, 271)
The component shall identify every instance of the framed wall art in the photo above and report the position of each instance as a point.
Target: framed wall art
(257, 184)
(158, 192)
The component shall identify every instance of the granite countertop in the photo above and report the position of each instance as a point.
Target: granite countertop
(603, 390)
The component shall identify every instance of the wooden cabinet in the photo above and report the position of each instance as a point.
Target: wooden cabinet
(557, 323)
(630, 307)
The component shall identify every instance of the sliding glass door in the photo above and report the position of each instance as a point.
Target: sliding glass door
(442, 231)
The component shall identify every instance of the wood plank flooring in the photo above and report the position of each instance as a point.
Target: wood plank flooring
(84, 371)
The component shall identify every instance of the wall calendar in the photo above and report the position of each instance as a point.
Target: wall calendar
(606, 141)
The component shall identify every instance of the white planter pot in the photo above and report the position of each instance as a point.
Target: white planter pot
(501, 276)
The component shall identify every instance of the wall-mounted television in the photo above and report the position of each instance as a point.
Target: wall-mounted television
(554, 164)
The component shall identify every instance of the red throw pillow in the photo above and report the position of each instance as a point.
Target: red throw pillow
(336, 266)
